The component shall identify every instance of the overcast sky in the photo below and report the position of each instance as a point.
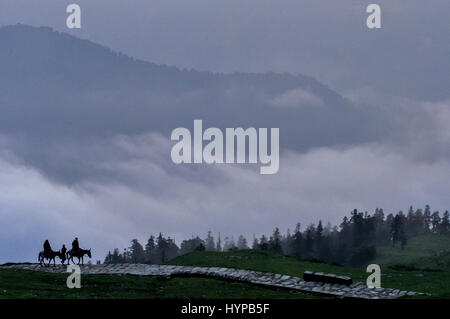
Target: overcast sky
(403, 66)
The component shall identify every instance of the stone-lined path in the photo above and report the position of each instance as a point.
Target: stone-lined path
(355, 290)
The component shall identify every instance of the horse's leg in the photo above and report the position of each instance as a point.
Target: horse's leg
(82, 260)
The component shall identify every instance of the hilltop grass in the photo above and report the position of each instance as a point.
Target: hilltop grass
(435, 284)
(41, 285)
(30, 284)
(430, 252)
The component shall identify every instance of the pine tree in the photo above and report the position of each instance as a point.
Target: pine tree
(209, 242)
(108, 258)
(172, 249)
(263, 243)
(150, 249)
(309, 241)
(275, 241)
(116, 258)
(435, 222)
(319, 232)
(242, 243)
(444, 228)
(380, 235)
(427, 220)
(161, 248)
(297, 241)
(219, 244)
(255, 244)
(398, 231)
(137, 254)
(229, 244)
(286, 243)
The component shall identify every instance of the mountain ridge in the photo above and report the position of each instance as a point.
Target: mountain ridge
(57, 89)
(47, 36)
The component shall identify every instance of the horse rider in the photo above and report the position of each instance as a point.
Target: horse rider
(75, 246)
(63, 253)
(63, 250)
(47, 248)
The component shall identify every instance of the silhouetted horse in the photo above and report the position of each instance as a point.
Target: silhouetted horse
(62, 256)
(51, 255)
(79, 254)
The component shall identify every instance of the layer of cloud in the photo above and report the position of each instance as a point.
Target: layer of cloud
(144, 194)
(296, 98)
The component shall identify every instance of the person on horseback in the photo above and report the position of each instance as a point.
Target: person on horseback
(47, 248)
(75, 246)
(76, 251)
(62, 254)
(63, 250)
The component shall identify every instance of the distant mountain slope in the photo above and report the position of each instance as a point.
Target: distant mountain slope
(57, 85)
(56, 89)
